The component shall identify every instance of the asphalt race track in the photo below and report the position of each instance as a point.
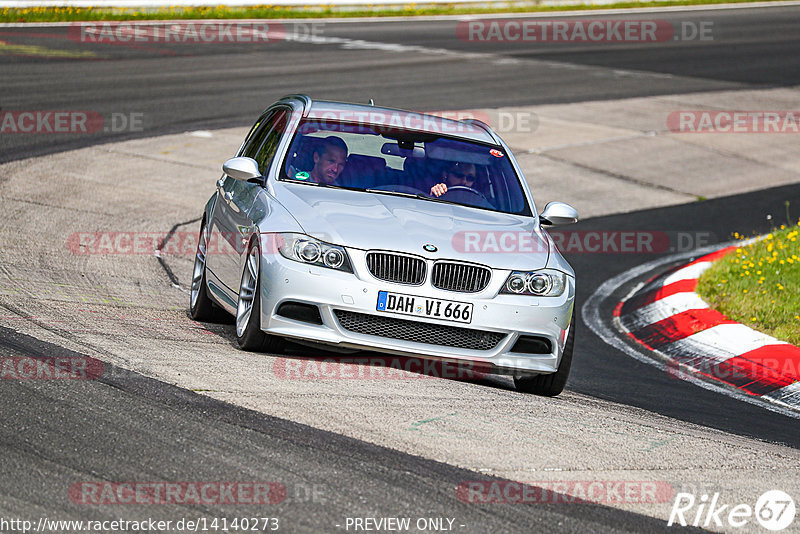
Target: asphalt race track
(172, 403)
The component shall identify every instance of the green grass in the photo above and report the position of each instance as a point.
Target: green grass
(759, 285)
(76, 14)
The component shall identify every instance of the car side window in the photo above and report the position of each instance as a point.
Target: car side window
(256, 137)
(271, 140)
(249, 138)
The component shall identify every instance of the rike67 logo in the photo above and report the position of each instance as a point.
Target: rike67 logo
(774, 510)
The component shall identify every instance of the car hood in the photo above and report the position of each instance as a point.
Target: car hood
(370, 221)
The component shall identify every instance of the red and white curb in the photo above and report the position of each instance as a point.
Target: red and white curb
(667, 317)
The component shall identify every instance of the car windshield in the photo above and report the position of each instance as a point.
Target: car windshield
(393, 161)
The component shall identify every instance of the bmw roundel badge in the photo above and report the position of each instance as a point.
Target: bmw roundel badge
(430, 248)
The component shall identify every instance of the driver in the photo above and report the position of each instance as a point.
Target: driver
(462, 174)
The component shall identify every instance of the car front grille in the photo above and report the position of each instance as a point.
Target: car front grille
(461, 277)
(418, 332)
(396, 268)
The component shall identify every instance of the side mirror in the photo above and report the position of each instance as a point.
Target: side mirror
(244, 169)
(557, 214)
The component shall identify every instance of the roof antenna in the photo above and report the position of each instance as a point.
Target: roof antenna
(371, 102)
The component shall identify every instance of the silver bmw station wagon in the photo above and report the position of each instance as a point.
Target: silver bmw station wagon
(366, 228)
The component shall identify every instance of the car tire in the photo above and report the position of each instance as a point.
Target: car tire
(249, 335)
(200, 306)
(550, 384)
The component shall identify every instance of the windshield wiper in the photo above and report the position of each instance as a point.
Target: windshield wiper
(400, 193)
(329, 185)
(421, 196)
(317, 184)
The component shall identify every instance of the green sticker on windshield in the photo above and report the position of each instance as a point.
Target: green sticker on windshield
(302, 175)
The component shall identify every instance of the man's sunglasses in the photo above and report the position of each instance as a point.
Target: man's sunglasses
(462, 176)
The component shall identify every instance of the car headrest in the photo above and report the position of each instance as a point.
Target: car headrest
(365, 163)
(362, 171)
(303, 153)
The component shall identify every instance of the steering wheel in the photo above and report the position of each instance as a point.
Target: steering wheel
(457, 188)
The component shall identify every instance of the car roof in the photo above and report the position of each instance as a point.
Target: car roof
(399, 118)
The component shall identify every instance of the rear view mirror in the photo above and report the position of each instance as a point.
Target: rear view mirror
(394, 149)
(558, 214)
(244, 169)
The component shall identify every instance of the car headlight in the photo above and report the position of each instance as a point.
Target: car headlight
(306, 249)
(541, 283)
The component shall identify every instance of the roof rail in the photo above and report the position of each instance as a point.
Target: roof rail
(485, 127)
(305, 99)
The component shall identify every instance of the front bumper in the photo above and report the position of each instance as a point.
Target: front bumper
(510, 316)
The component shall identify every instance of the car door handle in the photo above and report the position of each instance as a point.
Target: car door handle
(228, 196)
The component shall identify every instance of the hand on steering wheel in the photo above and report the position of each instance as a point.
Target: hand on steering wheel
(465, 188)
(439, 190)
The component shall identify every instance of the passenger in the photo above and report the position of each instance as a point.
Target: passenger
(462, 174)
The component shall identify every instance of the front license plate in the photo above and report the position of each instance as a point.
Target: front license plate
(447, 310)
